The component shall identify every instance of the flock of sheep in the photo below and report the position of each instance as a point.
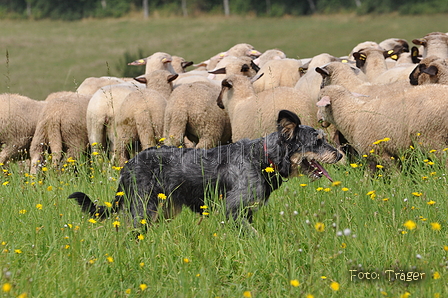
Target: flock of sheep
(380, 91)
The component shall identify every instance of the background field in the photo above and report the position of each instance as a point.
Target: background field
(311, 234)
(47, 56)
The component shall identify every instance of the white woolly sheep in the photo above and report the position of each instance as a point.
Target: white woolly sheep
(430, 70)
(192, 112)
(252, 115)
(90, 85)
(282, 72)
(391, 43)
(61, 128)
(18, 121)
(420, 114)
(268, 55)
(140, 121)
(434, 44)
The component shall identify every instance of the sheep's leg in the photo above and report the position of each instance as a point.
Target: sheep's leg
(176, 125)
(37, 148)
(7, 152)
(96, 132)
(55, 142)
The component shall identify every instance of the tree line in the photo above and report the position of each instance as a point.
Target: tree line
(78, 9)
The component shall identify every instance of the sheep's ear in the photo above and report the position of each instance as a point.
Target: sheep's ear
(419, 41)
(360, 59)
(413, 76)
(256, 61)
(324, 101)
(287, 122)
(226, 83)
(138, 62)
(185, 64)
(256, 77)
(218, 71)
(322, 71)
(245, 67)
(254, 65)
(172, 77)
(415, 55)
(432, 70)
(141, 79)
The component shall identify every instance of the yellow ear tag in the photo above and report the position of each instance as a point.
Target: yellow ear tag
(141, 61)
(344, 61)
(390, 52)
(394, 57)
(362, 57)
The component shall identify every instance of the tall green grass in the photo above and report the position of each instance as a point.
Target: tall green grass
(47, 56)
(311, 234)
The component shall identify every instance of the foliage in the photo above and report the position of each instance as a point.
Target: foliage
(77, 9)
(130, 71)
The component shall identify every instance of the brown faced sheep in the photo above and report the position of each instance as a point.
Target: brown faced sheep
(252, 115)
(419, 114)
(18, 121)
(434, 44)
(431, 70)
(61, 128)
(192, 112)
(140, 121)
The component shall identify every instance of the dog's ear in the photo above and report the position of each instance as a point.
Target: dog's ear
(287, 122)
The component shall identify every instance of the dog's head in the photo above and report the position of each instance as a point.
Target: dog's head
(305, 148)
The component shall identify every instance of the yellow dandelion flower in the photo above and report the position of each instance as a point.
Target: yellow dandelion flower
(92, 261)
(23, 211)
(319, 188)
(309, 296)
(379, 166)
(436, 275)
(303, 184)
(39, 206)
(110, 259)
(67, 246)
(95, 153)
(417, 194)
(386, 139)
(204, 207)
(436, 295)
(6, 287)
(344, 189)
(127, 291)
(336, 183)
(410, 225)
(319, 226)
(343, 245)
(354, 165)
(186, 260)
(431, 202)
(143, 222)
(295, 283)
(432, 151)
(430, 163)
(91, 220)
(405, 295)
(377, 142)
(94, 144)
(143, 287)
(23, 295)
(162, 139)
(142, 264)
(18, 251)
(161, 196)
(120, 194)
(116, 224)
(436, 226)
(269, 169)
(424, 177)
(44, 169)
(386, 199)
(370, 193)
(141, 237)
(205, 213)
(445, 247)
(327, 189)
(323, 277)
(334, 286)
(108, 204)
(247, 294)
(50, 188)
(383, 293)
(371, 151)
(5, 183)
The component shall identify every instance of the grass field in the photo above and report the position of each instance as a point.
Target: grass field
(314, 237)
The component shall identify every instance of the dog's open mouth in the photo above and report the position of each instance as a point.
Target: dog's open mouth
(314, 169)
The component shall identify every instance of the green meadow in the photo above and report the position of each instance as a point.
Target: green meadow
(367, 234)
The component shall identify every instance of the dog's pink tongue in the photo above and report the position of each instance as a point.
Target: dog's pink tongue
(321, 169)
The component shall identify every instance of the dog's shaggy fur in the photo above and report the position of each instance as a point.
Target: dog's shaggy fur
(244, 173)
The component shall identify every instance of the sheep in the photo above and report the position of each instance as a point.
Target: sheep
(372, 62)
(434, 44)
(363, 45)
(156, 61)
(280, 72)
(18, 122)
(192, 112)
(141, 114)
(419, 114)
(234, 65)
(90, 85)
(430, 70)
(252, 115)
(61, 127)
(391, 43)
(268, 55)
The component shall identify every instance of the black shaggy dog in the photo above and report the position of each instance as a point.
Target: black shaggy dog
(244, 173)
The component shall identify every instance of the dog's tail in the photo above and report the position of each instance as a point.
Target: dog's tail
(88, 206)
